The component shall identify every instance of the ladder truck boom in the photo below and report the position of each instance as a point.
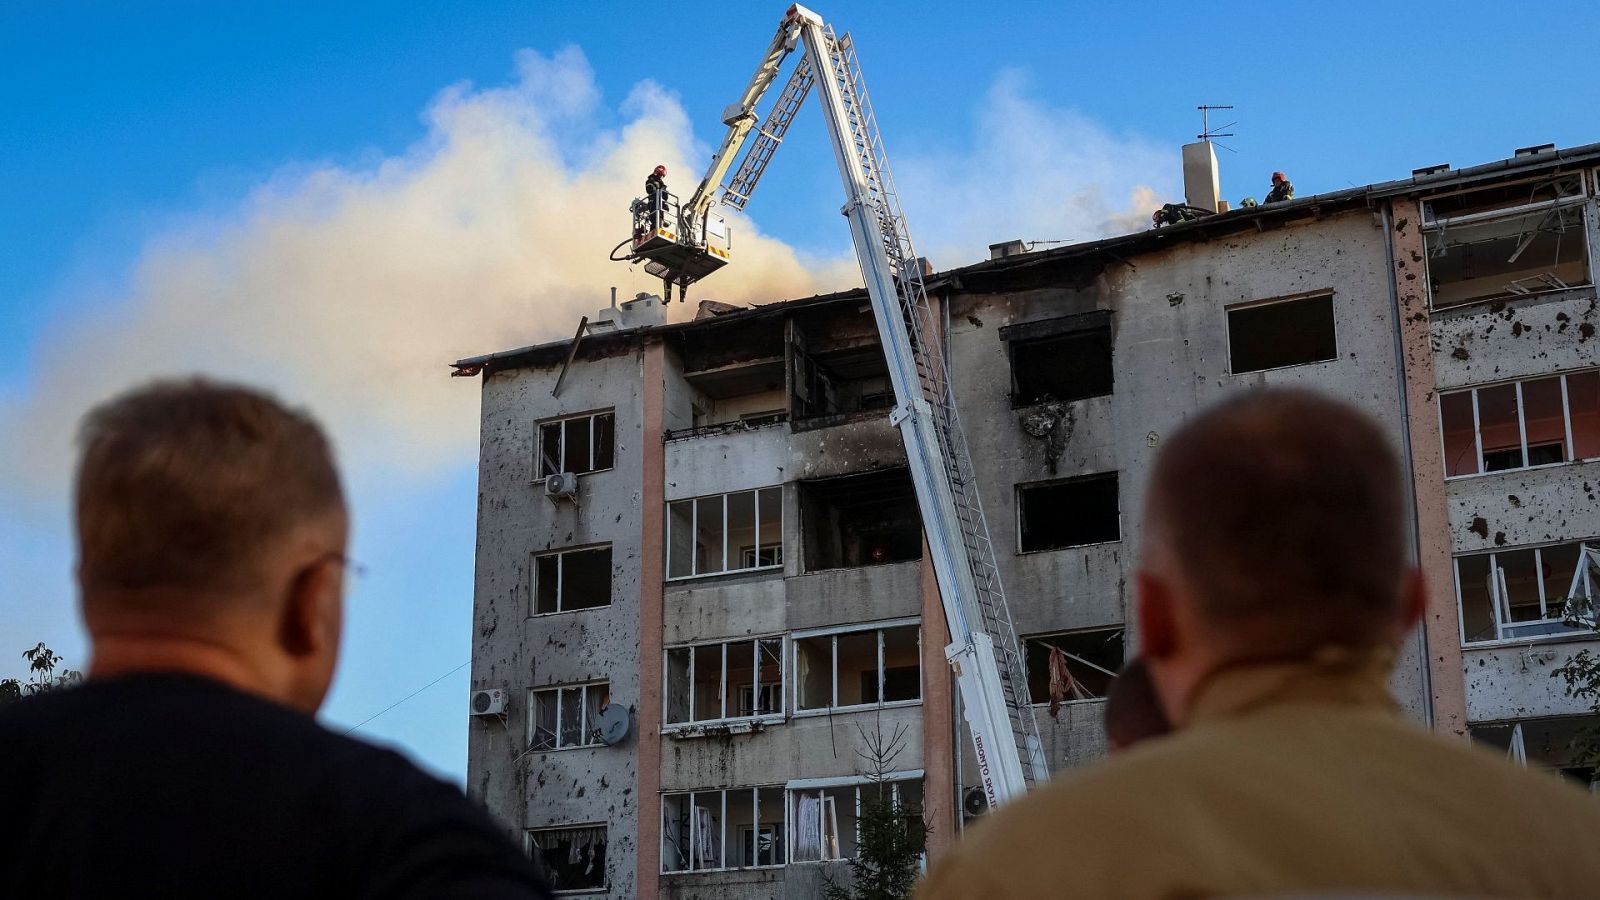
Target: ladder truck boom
(983, 651)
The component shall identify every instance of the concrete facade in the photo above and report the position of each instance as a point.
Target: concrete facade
(786, 399)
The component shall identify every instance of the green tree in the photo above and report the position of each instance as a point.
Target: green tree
(893, 834)
(1581, 677)
(42, 675)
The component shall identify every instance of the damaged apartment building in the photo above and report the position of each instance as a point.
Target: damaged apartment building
(701, 595)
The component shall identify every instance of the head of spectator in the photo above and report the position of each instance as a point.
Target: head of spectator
(211, 535)
(1274, 531)
(1133, 712)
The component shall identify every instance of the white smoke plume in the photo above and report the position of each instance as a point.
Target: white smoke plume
(348, 287)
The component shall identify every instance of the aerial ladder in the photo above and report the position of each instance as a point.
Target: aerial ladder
(682, 242)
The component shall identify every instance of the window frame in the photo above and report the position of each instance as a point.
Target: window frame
(538, 442)
(693, 723)
(799, 786)
(1114, 475)
(561, 566)
(605, 875)
(725, 847)
(1431, 225)
(561, 690)
(1064, 328)
(1522, 425)
(694, 528)
(1302, 297)
(1499, 602)
(834, 631)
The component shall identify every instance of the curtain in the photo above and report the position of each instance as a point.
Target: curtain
(808, 828)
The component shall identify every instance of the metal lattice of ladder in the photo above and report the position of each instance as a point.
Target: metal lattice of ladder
(766, 142)
(934, 377)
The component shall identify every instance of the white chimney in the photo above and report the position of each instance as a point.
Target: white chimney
(1201, 188)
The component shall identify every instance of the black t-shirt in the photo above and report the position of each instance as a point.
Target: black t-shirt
(177, 786)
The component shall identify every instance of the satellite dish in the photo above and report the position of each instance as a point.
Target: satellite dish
(612, 723)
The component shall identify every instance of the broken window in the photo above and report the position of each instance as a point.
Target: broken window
(577, 444)
(1506, 240)
(724, 680)
(571, 857)
(725, 533)
(571, 579)
(561, 718)
(824, 817)
(1091, 658)
(860, 520)
(1545, 744)
(1534, 422)
(1052, 515)
(1060, 360)
(1281, 333)
(739, 828)
(1528, 592)
(828, 386)
(746, 395)
(857, 668)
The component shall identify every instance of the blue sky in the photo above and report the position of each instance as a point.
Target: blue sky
(132, 128)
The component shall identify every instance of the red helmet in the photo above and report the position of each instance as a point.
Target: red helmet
(1279, 176)
(662, 171)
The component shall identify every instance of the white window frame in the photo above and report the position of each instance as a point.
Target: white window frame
(1584, 584)
(724, 692)
(561, 569)
(538, 442)
(1522, 425)
(727, 850)
(1432, 225)
(833, 664)
(799, 786)
(561, 691)
(605, 876)
(694, 530)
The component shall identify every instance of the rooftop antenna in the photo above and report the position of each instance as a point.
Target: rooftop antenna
(1206, 131)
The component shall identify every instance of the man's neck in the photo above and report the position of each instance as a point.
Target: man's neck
(129, 654)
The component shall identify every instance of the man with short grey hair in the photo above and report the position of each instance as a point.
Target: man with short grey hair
(1274, 591)
(212, 530)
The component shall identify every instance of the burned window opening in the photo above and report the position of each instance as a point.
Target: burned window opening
(740, 396)
(1281, 333)
(571, 858)
(860, 520)
(1054, 515)
(829, 387)
(1073, 665)
(1063, 367)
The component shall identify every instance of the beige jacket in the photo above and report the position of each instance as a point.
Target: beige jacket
(1290, 779)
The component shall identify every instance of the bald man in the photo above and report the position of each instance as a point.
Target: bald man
(1273, 594)
(211, 562)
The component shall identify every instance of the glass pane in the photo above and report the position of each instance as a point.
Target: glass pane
(902, 665)
(571, 717)
(1477, 613)
(707, 830)
(1544, 421)
(708, 536)
(741, 678)
(742, 530)
(1497, 423)
(858, 668)
(771, 698)
(544, 720)
(675, 856)
(549, 449)
(708, 682)
(678, 685)
(576, 456)
(586, 578)
(1583, 400)
(1521, 583)
(605, 441)
(771, 513)
(1557, 566)
(1460, 443)
(546, 583)
(680, 538)
(813, 669)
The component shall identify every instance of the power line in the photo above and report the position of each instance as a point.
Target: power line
(409, 696)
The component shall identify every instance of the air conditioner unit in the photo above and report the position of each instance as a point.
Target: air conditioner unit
(489, 703)
(561, 486)
(974, 803)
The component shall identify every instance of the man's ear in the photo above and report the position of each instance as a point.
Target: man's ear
(305, 628)
(1158, 629)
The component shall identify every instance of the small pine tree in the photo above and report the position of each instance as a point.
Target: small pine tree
(892, 833)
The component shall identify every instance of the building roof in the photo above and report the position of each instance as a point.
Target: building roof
(1046, 263)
